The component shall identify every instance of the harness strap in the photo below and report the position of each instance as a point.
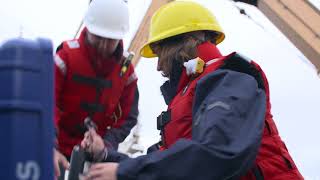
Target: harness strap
(163, 119)
(92, 81)
(92, 107)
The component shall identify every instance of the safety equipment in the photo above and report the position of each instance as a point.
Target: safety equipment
(107, 18)
(180, 17)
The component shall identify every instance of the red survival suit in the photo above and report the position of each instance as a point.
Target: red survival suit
(89, 86)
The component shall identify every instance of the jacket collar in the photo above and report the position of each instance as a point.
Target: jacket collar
(206, 51)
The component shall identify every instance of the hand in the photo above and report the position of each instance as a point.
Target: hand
(93, 143)
(102, 171)
(58, 158)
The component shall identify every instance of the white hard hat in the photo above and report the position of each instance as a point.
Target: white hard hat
(108, 18)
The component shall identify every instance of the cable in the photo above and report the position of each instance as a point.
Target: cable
(243, 12)
(302, 58)
(80, 25)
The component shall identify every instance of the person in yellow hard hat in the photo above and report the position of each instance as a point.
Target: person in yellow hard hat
(218, 124)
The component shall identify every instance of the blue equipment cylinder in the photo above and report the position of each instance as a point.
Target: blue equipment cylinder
(26, 109)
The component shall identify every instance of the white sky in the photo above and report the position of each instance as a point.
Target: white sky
(316, 3)
(293, 82)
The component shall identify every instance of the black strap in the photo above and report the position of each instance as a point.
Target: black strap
(92, 107)
(80, 129)
(257, 172)
(288, 163)
(59, 47)
(268, 127)
(163, 119)
(92, 81)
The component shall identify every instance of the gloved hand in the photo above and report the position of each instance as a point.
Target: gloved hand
(94, 144)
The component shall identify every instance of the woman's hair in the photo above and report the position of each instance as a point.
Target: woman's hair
(179, 48)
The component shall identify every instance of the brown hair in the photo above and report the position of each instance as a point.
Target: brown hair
(179, 48)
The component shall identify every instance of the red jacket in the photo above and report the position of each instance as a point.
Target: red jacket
(272, 161)
(89, 86)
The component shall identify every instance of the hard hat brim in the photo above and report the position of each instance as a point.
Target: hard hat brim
(147, 52)
(105, 34)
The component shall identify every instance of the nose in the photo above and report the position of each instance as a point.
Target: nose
(159, 66)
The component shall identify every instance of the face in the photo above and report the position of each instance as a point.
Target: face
(168, 53)
(165, 49)
(156, 48)
(104, 46)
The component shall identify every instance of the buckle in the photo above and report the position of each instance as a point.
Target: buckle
(163, 119)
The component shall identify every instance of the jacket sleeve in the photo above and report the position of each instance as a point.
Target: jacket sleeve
(129, 107)
(228, 119)
(60, 69)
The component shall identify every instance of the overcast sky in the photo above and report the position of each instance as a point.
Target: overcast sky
(316, 3)
(294, 84)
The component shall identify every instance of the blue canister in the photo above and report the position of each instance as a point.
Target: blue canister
(26, 109)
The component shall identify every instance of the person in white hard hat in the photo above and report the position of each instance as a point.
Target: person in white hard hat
(94, 79)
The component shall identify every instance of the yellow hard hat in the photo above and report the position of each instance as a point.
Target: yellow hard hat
(180, 17)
